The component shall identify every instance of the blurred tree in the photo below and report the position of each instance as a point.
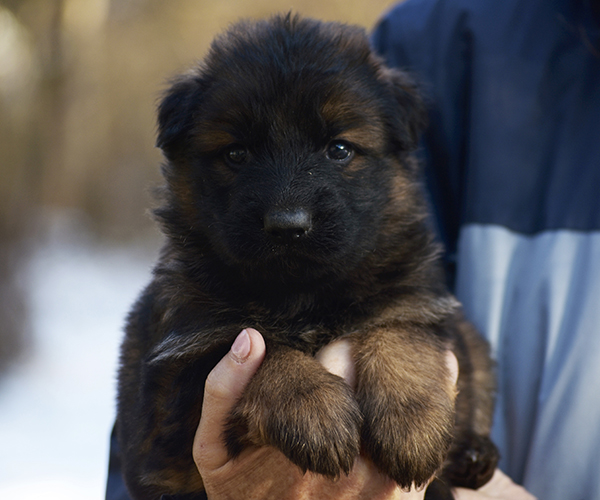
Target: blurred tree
(17, 90)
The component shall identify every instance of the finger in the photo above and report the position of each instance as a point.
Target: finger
(499, 487)
(337, 358)
(502, 486)
(452, 364)
(465, 494)
(224, 385)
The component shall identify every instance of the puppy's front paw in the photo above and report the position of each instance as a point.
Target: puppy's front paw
(315, 421)
(407, 439)
(406, 395)
(318, 428)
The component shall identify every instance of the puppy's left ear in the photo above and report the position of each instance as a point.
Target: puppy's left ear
(176, 115)
(409, 114)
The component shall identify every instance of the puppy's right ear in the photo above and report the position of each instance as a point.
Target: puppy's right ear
(409, 112)
(176, 115)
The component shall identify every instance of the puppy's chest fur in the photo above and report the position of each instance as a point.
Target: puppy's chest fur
(214, 310)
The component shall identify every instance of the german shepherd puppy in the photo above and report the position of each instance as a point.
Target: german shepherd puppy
(293, 205)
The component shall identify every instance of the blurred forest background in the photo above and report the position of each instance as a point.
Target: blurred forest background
(79, 84)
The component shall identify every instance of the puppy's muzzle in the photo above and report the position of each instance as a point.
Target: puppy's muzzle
(287, 226)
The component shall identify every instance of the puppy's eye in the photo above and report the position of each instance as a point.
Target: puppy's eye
(340, 151)
(236, 153)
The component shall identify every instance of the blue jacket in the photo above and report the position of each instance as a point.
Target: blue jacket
(512, 158)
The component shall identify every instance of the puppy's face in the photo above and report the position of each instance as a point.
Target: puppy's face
(284, 149)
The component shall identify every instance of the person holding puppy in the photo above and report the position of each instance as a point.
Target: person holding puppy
(482, 150)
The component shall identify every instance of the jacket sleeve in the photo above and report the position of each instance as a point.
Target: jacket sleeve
(115, 486)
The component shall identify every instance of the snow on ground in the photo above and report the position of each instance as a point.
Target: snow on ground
(57, 407)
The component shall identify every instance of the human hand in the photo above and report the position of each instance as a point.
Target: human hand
(264, 473)
(499, 487)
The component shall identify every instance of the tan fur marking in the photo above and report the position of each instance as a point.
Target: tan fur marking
(210, 138)
(407, 398)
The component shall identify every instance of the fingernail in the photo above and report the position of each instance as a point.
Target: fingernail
(241, 347)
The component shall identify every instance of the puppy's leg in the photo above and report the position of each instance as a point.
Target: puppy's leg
(406, 395)
(473, 457)
(296, 405)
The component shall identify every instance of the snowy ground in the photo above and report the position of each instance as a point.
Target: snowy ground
(57, 407)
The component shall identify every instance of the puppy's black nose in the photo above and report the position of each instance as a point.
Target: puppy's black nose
(287, 225)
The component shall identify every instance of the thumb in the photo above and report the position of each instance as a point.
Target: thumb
(224, 385)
